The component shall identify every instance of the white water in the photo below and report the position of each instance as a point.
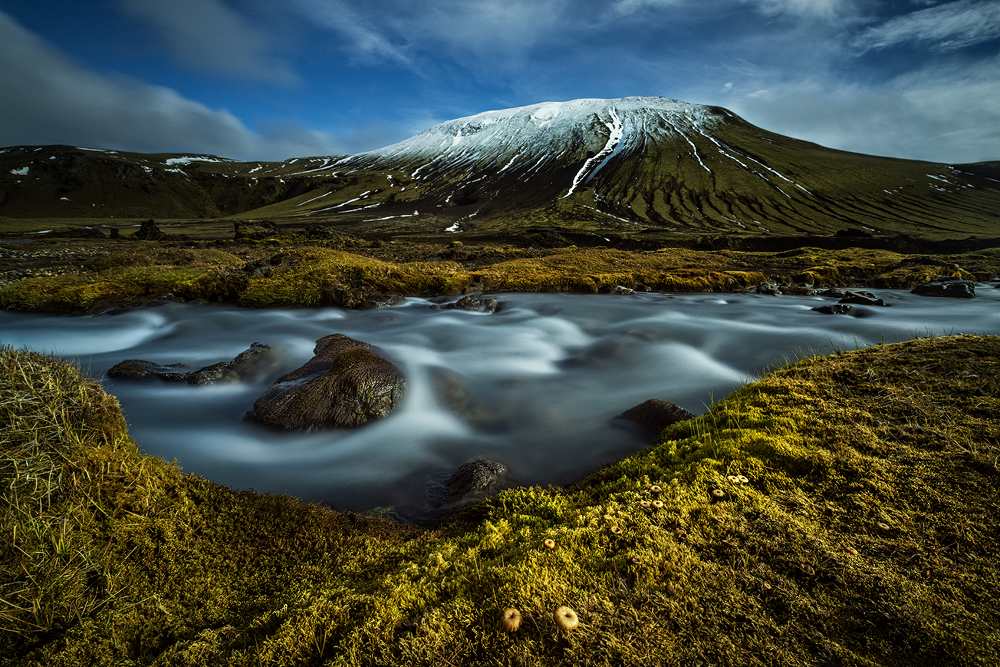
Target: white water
(544, 377)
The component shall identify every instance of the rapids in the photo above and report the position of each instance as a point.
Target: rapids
(540, 381)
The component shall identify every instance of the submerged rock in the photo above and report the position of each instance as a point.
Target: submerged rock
(952, 286)
(139, 369)
(360, 296)
(242, 368)
(345, 385)
(472, 481)
(656, 414)
(836, 309)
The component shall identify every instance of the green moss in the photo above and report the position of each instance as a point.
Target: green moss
(867, 534)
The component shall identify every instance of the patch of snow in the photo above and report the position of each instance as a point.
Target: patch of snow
(313, 199)
(64, 199)
(23, 171)
(53, 157)
(616, 130)
(189, 159)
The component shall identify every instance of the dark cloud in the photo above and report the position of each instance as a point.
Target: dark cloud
(49, 99)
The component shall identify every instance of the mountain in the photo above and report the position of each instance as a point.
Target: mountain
(631, 166)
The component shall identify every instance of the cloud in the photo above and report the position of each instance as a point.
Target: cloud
(49, 99)
(807, 8)
(945, 114)
(208, 35)
(950, 26)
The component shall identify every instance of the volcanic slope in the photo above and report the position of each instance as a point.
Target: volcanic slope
(632, 165)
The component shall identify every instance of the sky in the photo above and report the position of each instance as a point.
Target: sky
(265, 80)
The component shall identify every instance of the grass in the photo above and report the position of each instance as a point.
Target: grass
(866, 534)
(306, 274)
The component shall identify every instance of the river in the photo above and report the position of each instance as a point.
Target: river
(541, 380)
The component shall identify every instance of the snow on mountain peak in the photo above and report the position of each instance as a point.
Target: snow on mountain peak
(529, 137)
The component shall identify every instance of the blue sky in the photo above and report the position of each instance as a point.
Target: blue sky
(257, 79)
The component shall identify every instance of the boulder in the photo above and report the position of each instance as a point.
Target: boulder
(952, 286)
(656, 415)
(345, 385)
(471, 303)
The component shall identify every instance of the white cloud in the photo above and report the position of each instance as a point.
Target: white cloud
(947, 114)
(949, 26)
(208, 35)
(48, 99)
(807, 8)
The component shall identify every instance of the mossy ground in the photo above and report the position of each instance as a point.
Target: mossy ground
(867, 534)
(87, 276)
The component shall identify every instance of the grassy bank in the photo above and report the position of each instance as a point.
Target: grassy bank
(89, 276)
(866, 533)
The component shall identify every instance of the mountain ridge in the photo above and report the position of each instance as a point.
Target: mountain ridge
(628, 166)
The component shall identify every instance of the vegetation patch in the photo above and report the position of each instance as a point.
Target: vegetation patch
(842, 510)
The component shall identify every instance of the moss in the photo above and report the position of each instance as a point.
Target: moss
(114, 557)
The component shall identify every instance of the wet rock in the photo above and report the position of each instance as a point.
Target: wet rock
(771, 289)
(471, 303)
(617, 289)
(951, 286)
(360, 296)
(345, 385)
(149, 231)
(246, 365)
(837, 309)
(862, 298)
(655, 414)
(833, 293)
(254, 230)
(138, 369)
(472, 481)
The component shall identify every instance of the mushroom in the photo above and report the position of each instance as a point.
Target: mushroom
(883, 526)
(851, 550)
(734, 479)
(743, 479)
(616, 530)
(510, 619)
(643, 503)
(636, 560)
(654, 488)
(718, 494)
(566, 618)
(550, 543)
(657, 504)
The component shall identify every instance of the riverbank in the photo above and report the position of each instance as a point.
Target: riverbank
(866, 533)
(81, 276)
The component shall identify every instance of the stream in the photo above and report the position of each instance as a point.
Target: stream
(539, 382)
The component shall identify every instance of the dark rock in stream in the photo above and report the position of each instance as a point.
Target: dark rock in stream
(836, 309)
(951, 286)
(472, 481)
(862, 298)
(473, 304)
(243, 367)
(247, 364)
(345, 385)
(655, 415)
(137, 369)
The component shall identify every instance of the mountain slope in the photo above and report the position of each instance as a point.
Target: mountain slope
(634, 165)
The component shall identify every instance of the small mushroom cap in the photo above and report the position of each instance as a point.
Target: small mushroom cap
(851, 550)
(510, 619)
(883, 526)
(615, 529)
(608, 517)
(566, 618)
(654, 488)
(734, 479)
(636, 560)
(718, 493)
(657, 504)
(743, 479)
(550, 543)
(644, 503)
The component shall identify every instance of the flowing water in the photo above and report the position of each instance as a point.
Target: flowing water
(537, 384)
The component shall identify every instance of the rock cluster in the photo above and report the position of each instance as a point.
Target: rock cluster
(951, 286)
(243, 367)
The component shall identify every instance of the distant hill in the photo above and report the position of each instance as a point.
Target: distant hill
(630, 166)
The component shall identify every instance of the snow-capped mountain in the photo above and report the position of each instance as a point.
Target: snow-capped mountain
(637, 165)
